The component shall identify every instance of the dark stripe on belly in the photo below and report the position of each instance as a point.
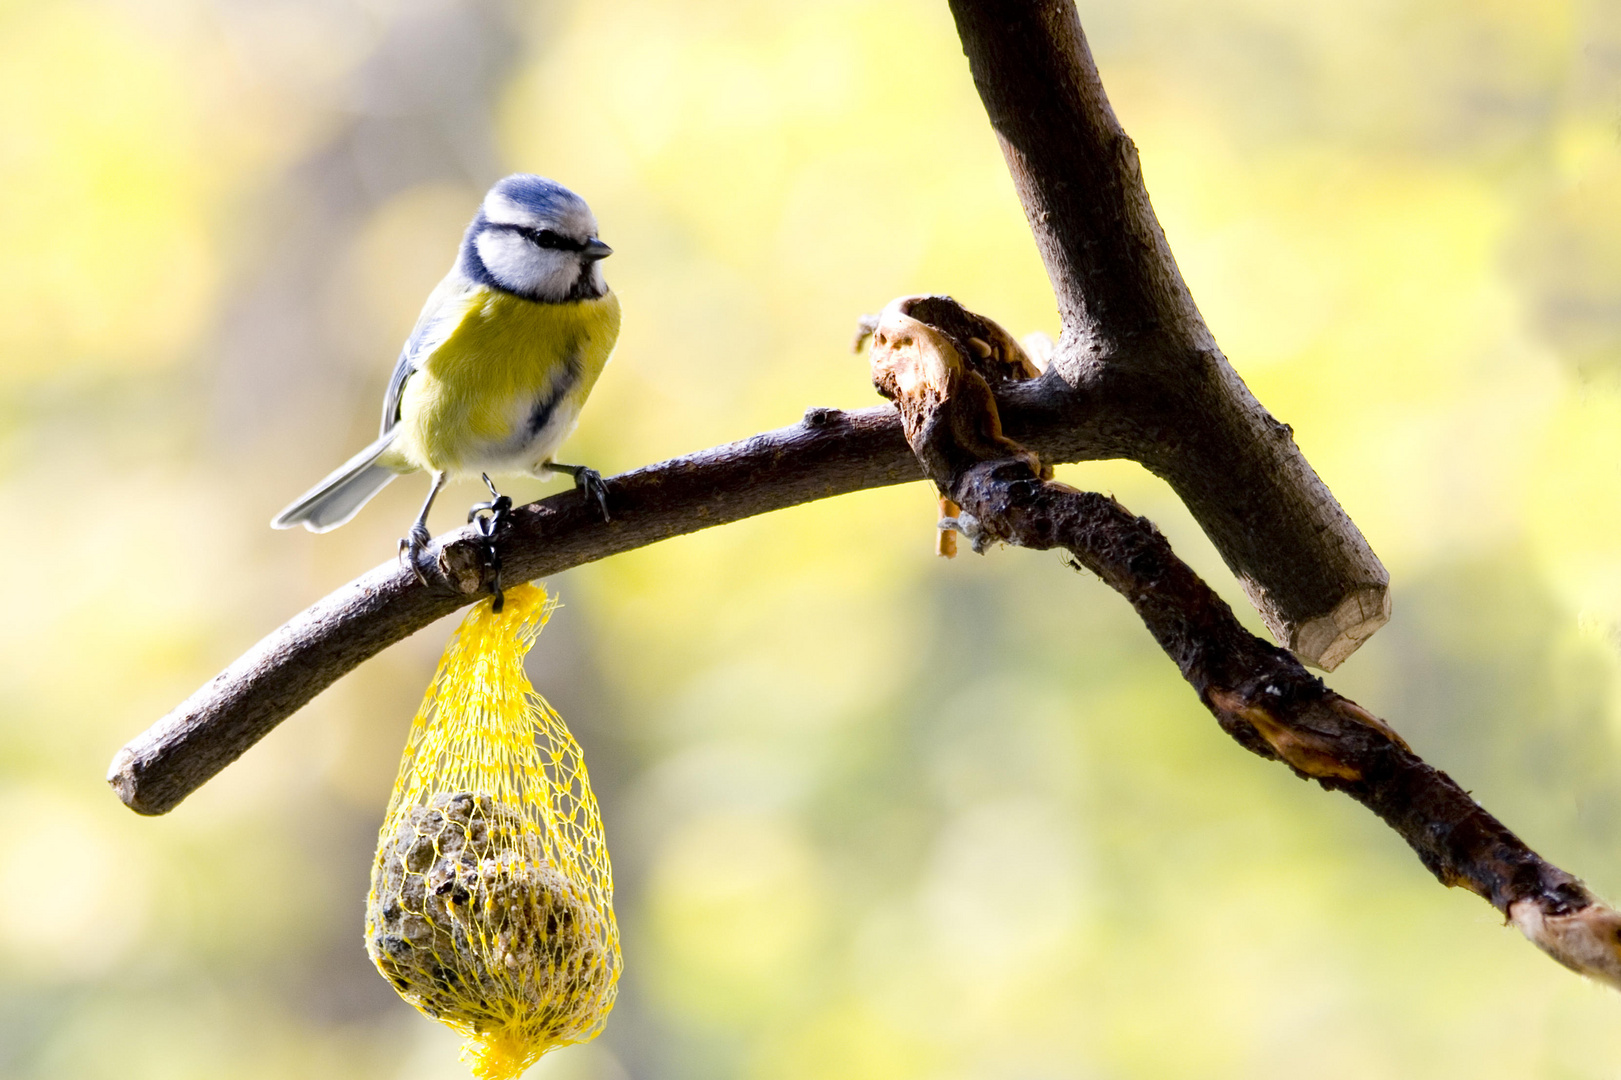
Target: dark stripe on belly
(541, 414)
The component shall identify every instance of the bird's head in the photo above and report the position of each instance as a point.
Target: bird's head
(537, 239)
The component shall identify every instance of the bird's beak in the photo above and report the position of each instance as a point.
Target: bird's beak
(595, 249)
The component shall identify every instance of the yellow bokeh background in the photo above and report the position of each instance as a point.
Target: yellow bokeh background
(873, 815)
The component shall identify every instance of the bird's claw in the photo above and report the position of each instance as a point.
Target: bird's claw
(411, 549)
(491, 517)
(587, 480)
(590, 481)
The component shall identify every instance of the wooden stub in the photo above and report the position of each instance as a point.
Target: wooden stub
(1325, 642)
(1587, 940)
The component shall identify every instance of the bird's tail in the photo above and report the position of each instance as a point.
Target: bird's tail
(340, 496)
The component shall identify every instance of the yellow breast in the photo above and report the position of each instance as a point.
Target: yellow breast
(465, 407)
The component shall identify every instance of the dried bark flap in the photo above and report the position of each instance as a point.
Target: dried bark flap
(939, 373)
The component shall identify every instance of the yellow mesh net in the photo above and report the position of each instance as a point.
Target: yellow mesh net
(491, 905)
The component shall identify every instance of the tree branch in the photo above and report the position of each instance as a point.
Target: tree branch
(1135, 376)
(1260, 694)
(828, 453)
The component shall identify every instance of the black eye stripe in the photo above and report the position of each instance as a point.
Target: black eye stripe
(546, 238)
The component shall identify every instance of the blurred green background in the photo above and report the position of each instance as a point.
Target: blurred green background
(873, 815)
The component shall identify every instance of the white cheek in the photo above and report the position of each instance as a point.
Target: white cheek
(509, 258)
(518, 265)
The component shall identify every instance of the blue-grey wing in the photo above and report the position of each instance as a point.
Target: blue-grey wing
(396, 386)
(447, 305)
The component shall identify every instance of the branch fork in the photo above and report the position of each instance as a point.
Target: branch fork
(1260, 694)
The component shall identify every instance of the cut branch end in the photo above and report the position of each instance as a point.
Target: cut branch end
(1587, 940)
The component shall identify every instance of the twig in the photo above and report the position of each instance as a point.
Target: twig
(1260, 694)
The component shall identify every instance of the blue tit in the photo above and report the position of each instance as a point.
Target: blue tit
(503, 355)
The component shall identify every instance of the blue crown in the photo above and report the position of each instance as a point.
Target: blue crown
(543, 197)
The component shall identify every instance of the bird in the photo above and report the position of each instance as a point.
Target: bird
(504, 354)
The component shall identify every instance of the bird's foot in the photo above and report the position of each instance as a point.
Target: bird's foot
(589, 481)
(491, 517)
(412, 548)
